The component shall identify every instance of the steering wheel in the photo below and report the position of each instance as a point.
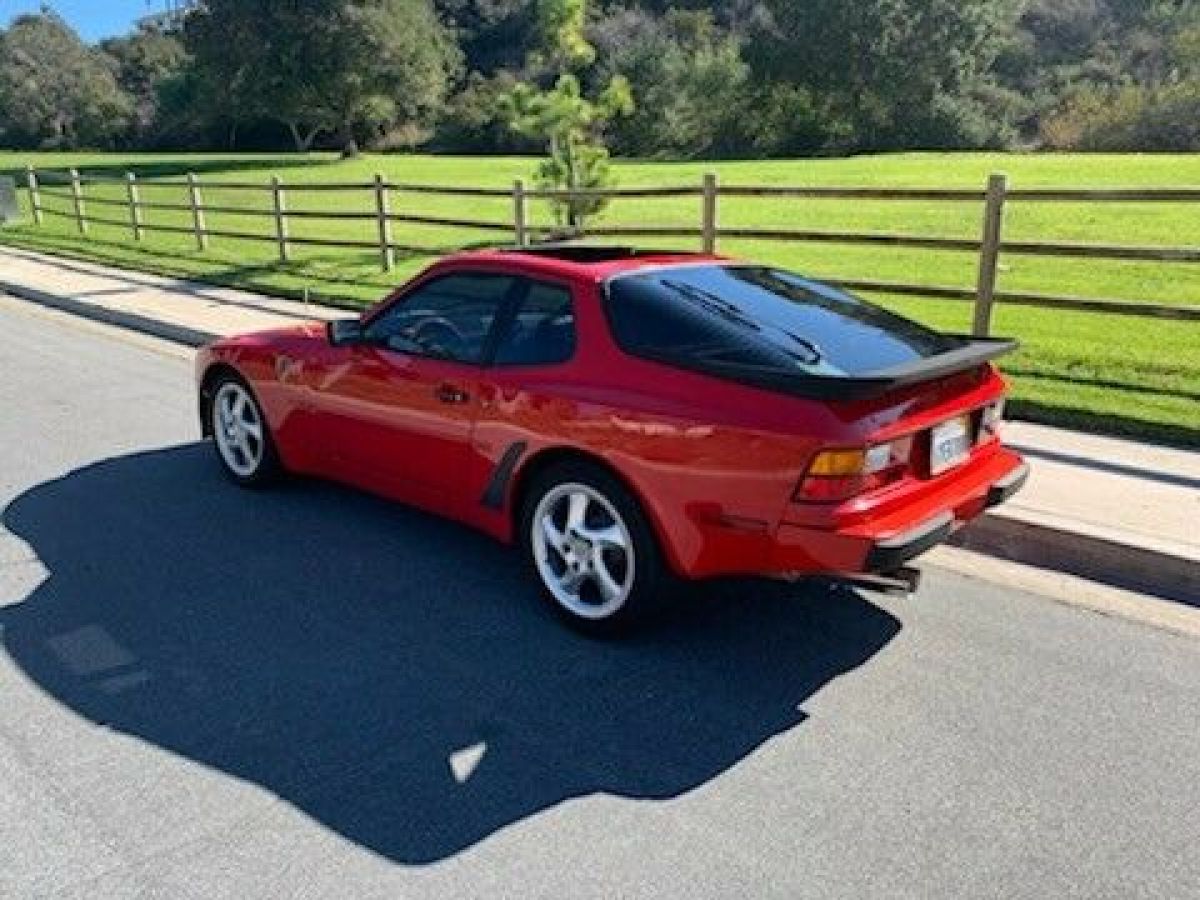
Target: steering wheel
(438, 331)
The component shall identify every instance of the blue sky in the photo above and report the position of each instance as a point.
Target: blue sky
(93, 19)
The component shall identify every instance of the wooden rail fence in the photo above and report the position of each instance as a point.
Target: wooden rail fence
(989, 247)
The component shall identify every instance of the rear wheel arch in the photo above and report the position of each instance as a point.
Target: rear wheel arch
(548, 458)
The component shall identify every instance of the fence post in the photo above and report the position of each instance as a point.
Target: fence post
(35, 197)
(279, 202)
(520, 213)
(386, 257)
(989, 254)
(197, 203)
(708, 225)
(135, 205)
(80, 206)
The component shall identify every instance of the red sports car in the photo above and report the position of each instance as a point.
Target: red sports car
(630, 419)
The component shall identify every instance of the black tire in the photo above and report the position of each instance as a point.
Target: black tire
(651, 585)
(267, 468)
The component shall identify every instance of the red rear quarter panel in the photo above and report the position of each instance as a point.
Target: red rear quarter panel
(714, 463)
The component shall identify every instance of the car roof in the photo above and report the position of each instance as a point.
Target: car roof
(592, 262)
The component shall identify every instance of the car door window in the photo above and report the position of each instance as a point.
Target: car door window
(447, 318)
(542, 331)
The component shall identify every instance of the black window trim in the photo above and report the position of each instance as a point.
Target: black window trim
(508, 315)
(510, 301)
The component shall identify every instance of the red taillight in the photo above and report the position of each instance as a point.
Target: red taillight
(835, 475)
(817, 489)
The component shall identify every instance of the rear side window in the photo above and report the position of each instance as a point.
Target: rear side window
(543, 329)
(760, 320)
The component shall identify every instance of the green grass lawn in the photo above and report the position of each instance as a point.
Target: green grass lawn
(1104, 372)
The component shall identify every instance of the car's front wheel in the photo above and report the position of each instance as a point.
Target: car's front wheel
(591, 548)
(240, 434)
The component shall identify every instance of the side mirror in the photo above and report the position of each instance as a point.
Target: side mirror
(345, 332)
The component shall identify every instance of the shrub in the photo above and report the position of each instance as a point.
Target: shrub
(788, 120)
(1092, 118)
(473, 120)
(1172, 122)
(1127, 118)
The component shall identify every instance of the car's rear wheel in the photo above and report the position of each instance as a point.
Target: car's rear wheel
(591, 548)
(240, 434)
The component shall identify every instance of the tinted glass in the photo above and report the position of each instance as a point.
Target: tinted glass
(448, 318)
(543, 331)
(761, 319)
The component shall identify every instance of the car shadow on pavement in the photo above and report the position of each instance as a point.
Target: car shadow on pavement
(390, 674)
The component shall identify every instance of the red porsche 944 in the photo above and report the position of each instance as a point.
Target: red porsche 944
(631, 419)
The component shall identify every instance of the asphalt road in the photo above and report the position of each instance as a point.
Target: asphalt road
(307, 692)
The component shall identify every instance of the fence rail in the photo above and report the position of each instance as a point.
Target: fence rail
(990, 246)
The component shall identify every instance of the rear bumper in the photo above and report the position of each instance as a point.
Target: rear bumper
(891, 553)
(1009, 485)
(885, 544)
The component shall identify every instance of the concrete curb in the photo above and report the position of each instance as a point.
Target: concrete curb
(132, 321)
(996, 535)
(1126, 566)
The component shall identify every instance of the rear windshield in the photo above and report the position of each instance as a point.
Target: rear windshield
(746, 318)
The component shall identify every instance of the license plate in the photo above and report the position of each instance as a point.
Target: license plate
(950, 444)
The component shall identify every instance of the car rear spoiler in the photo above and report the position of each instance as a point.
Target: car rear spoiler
(970, 353)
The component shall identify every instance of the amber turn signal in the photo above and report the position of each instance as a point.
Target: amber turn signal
(833, 463)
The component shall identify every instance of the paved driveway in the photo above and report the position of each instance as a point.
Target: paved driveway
(309, 692)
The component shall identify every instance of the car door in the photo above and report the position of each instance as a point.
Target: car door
(522, 397)
(403, 405)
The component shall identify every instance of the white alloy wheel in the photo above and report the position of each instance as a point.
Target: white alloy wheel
(583, 551)
(238, 429)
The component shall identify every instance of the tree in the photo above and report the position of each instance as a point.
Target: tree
(712, 78)
(561, 115)
(492, 34)
(325, 65)
(232, 74)
(1113, 75)
(905, 73)
(690, 80)
(474, 120)
(145, 62)
(55, 92)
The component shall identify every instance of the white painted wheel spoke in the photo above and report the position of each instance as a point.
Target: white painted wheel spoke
(253, 428)
(577, 511)
(608, 536)
(243, 444)
(610, 589)
(554, 537)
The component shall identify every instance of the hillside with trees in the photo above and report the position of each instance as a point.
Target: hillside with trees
(699, 78)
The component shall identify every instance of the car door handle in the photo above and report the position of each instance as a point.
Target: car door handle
(448, 393)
